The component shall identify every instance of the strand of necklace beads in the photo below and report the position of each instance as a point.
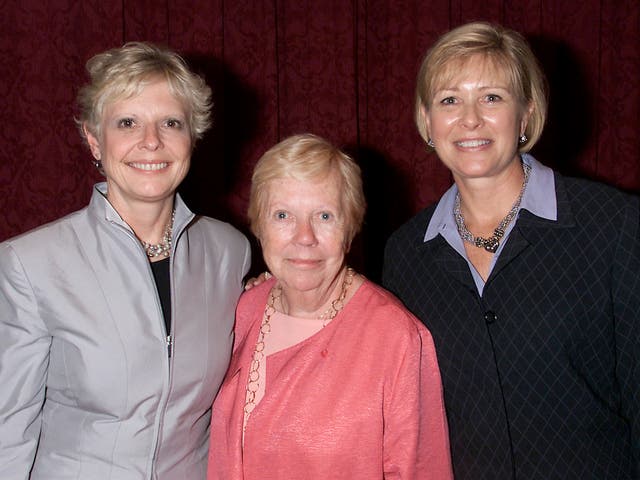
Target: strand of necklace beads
(164, 247)
(490, 244)
(253, 382)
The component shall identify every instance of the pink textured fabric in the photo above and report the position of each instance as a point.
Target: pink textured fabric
(361, 399)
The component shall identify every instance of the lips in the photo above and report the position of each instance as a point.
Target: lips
(472, 143)
(149, 167)
(304, 263)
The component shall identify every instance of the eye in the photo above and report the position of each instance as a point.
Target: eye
(126, 123)
(280, 215)
(448, 101)
(325, 216)
(174, 123)
(493, 98)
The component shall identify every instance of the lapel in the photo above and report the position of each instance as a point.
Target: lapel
(447, 259)
(530, 229)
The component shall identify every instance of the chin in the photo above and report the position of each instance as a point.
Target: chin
(303, 281)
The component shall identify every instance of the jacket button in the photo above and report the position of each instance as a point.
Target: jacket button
(490, 317)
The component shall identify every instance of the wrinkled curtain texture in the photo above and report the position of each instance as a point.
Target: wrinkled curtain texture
(341, 69)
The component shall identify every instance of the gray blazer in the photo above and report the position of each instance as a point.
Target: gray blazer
(88, 388)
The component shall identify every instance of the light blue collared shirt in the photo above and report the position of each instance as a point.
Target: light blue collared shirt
(539, 198)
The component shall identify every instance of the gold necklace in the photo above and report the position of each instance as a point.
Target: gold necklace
(258, 353)
(338, 303)
(265, 328)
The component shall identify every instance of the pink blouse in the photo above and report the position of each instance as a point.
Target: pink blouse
(359, 399)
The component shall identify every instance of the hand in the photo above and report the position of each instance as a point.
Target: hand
(255, 281)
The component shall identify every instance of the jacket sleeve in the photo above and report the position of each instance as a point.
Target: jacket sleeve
(416, 437)
(388, 267)
(626, 304)
(24, 355)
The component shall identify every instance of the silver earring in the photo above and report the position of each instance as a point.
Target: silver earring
(430, 143)
(98, 164)
(523, 138)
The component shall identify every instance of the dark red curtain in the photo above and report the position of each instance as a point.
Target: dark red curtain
(344, 70)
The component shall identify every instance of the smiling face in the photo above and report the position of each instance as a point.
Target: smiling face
(144, 146)
(475, 120)
(302, 232)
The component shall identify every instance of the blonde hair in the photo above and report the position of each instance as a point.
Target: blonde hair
(506, 49)
(122, 73)
(307, 157)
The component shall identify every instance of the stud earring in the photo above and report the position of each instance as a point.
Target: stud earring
(430, 143)
(523, 138)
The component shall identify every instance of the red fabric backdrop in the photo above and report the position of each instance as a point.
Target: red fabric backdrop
(341, 69)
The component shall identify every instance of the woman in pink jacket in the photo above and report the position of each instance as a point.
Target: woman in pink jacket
(331, 377)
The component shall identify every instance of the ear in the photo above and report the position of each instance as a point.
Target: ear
(425, 120)
(528, 111)
(93, 142)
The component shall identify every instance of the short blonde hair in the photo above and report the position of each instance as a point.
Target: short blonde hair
(308, 157)
(506, 49)
(122, 72)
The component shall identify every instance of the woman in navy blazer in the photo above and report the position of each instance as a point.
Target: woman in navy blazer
(529, 281)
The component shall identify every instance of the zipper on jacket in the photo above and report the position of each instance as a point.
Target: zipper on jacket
(169, 345)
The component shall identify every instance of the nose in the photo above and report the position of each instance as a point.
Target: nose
(305, 234)
(151, 138)
(471, 116)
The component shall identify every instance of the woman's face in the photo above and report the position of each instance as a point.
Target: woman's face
(302, 232)
(475, 120)
(145, 146)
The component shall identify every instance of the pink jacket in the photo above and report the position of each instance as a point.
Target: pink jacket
(361, 399)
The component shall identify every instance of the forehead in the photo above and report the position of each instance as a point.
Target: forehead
(476, 68)
(156, 87)
(305, 192)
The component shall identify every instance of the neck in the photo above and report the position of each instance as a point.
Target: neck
(314, 303)
(485, 202)
(147, 220)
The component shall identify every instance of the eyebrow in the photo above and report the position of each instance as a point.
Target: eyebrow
(484, 87)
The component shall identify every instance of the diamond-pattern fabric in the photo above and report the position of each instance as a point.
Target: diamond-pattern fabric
(542, 373)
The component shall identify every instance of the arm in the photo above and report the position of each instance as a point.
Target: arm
(387, 268)
(416, 440)
(626, 300)
(24, 355)
(391, 272)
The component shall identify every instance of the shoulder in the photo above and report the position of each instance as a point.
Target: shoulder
(592, 201)
(217, 236)
(415, 227)
(404, 249)
(383, 311)
(591, 191)
(58, 234)
(256, 295)
(217, 229)
(251, 306)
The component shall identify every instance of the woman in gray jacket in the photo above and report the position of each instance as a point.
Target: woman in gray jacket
(116, 321)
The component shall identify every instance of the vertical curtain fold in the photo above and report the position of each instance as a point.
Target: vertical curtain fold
(344, 70)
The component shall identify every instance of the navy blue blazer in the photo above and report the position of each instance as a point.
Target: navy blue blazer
(541, 374)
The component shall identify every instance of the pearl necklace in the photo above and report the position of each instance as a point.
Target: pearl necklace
(164, 247)
(265, 328)
(491, 243)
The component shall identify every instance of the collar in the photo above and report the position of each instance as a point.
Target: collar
(102, 207)
(539, 198)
